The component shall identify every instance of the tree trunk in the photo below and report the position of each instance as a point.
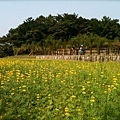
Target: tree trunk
(31, 53)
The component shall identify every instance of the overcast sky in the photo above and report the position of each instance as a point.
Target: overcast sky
(14, 12)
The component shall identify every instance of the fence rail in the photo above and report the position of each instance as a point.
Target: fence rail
(92, 58)
(94, 51)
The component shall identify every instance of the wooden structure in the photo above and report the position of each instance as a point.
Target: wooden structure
(87, 51)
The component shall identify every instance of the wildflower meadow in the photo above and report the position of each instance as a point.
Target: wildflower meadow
(59, 90)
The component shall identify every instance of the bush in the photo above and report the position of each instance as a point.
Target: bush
(6, 50)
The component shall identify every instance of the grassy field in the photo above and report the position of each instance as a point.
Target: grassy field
(59, 90)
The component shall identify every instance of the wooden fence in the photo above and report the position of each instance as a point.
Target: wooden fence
(92, 58)
(103, 51)
(73, 54)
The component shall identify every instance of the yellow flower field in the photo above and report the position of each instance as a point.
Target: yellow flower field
(59, 90)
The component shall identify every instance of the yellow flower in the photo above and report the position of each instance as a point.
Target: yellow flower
(66, 109)
(2, 87)
(12, 93)
(79, 110)
(67, 114)
(118, 74)
(49, 95)
(109, 89)
(115, 79)
(102, 76)
(24, 90)
(83, 88)
(38, 96)
(88, 82)
(101, 72)
(72, 86)
(109, 86)
(63, 81)
(105, 92)
(23, 86)
(2, 82)
(114, 88)
(92, 100)
(34, 82)
(57, 109)
(83, 92)
(73, 96)
(91, 92)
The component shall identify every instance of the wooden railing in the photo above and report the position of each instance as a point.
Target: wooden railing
(103, 51)
(92, 58)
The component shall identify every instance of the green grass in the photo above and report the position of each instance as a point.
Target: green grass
(59, 90)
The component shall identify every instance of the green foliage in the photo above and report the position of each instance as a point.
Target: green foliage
(64, 29)
(6, 49)
(57, 90)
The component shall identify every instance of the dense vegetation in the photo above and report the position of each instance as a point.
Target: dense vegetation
(62, 31)
(59, 90)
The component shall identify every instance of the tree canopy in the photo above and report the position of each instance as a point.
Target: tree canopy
(63, 30)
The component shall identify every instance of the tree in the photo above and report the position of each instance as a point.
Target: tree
(64, 30)
(100, 42)
(91, 41)
(109, 28)
(116, 45)
(6, 49)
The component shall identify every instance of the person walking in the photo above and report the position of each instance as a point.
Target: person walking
(81, 50)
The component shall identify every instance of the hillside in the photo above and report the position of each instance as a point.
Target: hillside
(62, 31)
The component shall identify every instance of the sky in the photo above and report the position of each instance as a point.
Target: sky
(15, 12)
